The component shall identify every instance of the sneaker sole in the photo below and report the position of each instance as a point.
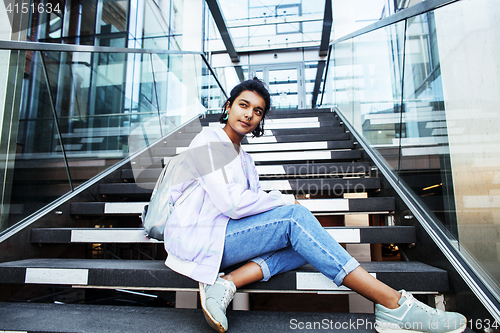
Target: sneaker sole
(393, 330)
(210, 320)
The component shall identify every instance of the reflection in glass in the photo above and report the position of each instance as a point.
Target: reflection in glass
(114, 16)
(36, 174)
(376, 76)
(425, 162)
(83, 112)
(82, 16)
(436, 125)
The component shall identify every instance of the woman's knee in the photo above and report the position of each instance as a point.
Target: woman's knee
(303, 215)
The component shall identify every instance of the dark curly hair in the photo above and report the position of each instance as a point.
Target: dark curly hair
(257, 86)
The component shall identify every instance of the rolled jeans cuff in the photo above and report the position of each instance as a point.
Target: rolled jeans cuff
(351, 265)
(263, 265)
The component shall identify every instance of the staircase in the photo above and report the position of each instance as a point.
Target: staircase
(106, 264)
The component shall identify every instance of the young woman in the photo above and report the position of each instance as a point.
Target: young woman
(228, 219)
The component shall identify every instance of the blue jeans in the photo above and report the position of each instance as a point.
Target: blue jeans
(283, 239)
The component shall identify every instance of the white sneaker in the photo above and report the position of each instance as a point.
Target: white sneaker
(415, 316)
(214, 301)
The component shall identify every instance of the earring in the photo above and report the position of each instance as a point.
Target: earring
(227, 116)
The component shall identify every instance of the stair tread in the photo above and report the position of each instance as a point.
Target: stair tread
(283, 115)
(287, 135)
(352, 235)
(323, 206)
(277, 170)
(40, 317)
(341, 152)
(304, 131)
(303, 186)
(275, 146)
(153, 274)
(288, 124)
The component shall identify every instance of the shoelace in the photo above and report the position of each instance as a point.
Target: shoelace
(226, 296)
(412, 300)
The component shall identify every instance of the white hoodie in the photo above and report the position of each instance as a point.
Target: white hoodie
(228, 189)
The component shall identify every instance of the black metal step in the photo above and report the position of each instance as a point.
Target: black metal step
(305, 131)
(274, 171)
(153, 274)
(291, 137)
(299, 146)
(273, 114)
(306, 156)
(317, 206)
(266, 158)
(283, 118)
(63, 318)
(303, 156)
(270, 147)
(178, 143)
(299, 111)
(296, 132)
(314, 186)
(344, 235)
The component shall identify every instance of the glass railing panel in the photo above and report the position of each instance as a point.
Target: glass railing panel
(341, 70)
(376, 96)
(445, 131)
(83, 112)
(469, 68)
(35, 172)
(95, 117)
(180, 86)
(425, 160)
(211, 95)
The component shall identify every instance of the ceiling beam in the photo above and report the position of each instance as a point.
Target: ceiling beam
(323, 49)
(327, 28)
(317, 82)
(215, 9)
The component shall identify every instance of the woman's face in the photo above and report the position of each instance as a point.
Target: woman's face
(245, 114)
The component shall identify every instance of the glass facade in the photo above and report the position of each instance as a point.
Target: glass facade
(76, 113)
(424, 94)
(269, 25)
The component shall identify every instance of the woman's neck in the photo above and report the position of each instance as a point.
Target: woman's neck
(235, 139)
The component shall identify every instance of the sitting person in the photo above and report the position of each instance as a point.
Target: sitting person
(228, 219)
